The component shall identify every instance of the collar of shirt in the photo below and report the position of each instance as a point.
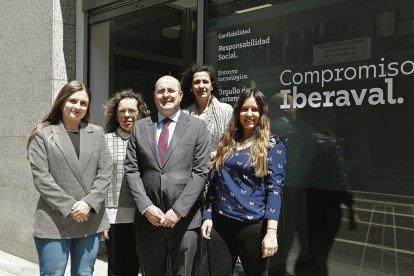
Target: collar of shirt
(171, 127)
(173, 117)
(122, 133)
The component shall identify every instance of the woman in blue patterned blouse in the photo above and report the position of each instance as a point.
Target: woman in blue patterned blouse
(243, 203)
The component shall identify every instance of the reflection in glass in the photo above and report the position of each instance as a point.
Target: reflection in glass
(349, 160)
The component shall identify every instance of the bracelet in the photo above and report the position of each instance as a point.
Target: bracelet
(269, 228)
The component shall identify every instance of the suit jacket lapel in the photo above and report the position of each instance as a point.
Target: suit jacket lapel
(86, 145)
(65, 145)
(180, 129)
(151, 131)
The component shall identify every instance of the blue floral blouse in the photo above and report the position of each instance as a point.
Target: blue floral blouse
(237, 193)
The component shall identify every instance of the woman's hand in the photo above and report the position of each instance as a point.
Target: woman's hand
(80, 211)
(105, 235)
(206, 228)
(269, 243)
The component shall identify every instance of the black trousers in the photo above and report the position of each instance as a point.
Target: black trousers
(121, 250)
(155, 245)
(231, 239)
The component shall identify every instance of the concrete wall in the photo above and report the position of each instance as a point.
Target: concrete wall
(37, 41)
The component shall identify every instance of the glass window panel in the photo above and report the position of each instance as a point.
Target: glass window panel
(150, 30)
(348, 68)
(143, 46)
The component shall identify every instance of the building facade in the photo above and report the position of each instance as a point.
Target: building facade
(338, 76)
(38, 57)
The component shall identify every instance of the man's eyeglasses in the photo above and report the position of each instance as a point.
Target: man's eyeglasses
(131, 111)
(169, 91)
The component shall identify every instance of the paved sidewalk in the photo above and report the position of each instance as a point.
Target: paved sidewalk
(11, 265)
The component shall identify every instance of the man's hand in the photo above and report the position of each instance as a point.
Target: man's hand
(206, 228)
(171, 218)
(155, 216)
(80, 211)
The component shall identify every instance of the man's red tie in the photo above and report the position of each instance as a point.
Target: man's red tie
(163, 140)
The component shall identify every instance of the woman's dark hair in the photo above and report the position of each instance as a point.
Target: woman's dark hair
(234, 133)
(187, 82)
(263, 110)
(111, 108)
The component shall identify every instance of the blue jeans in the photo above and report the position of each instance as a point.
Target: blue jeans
(53, 255)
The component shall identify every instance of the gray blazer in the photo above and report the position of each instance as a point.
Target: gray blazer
(179, 182)
(62, 179)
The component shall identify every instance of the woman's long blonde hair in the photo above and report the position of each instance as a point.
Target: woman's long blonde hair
(234, 134)
(55, 114)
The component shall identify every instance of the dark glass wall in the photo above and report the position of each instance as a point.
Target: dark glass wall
(338, 76)
(132, 48)
(146, 45)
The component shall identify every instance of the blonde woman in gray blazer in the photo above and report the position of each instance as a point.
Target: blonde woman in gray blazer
(72, 168)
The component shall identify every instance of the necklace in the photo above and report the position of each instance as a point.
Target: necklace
(71, 127)
(247, 139)
(72, 130)
(245, 142)
(205, 109)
